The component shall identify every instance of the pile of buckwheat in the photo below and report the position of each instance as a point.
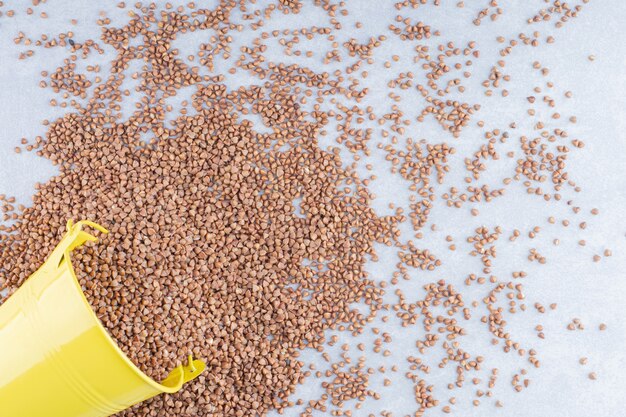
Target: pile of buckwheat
(244, 242)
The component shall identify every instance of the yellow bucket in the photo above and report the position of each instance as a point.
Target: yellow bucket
(56, 359)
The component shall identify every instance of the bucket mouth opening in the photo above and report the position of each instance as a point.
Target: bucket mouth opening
(66, 262)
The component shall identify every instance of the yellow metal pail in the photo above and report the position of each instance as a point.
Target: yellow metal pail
(56, 359)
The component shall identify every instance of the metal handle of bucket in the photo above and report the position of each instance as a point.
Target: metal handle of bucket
(184, 373)
(74, 237)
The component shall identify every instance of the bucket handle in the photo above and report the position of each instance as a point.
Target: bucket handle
(74, 237)
(184, 373)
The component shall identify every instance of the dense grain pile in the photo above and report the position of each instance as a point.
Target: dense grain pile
(206, 253)
(238, 238)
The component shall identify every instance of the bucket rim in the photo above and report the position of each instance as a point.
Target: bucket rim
(103, 331)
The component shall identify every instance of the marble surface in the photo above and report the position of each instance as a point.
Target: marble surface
(593, 292)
